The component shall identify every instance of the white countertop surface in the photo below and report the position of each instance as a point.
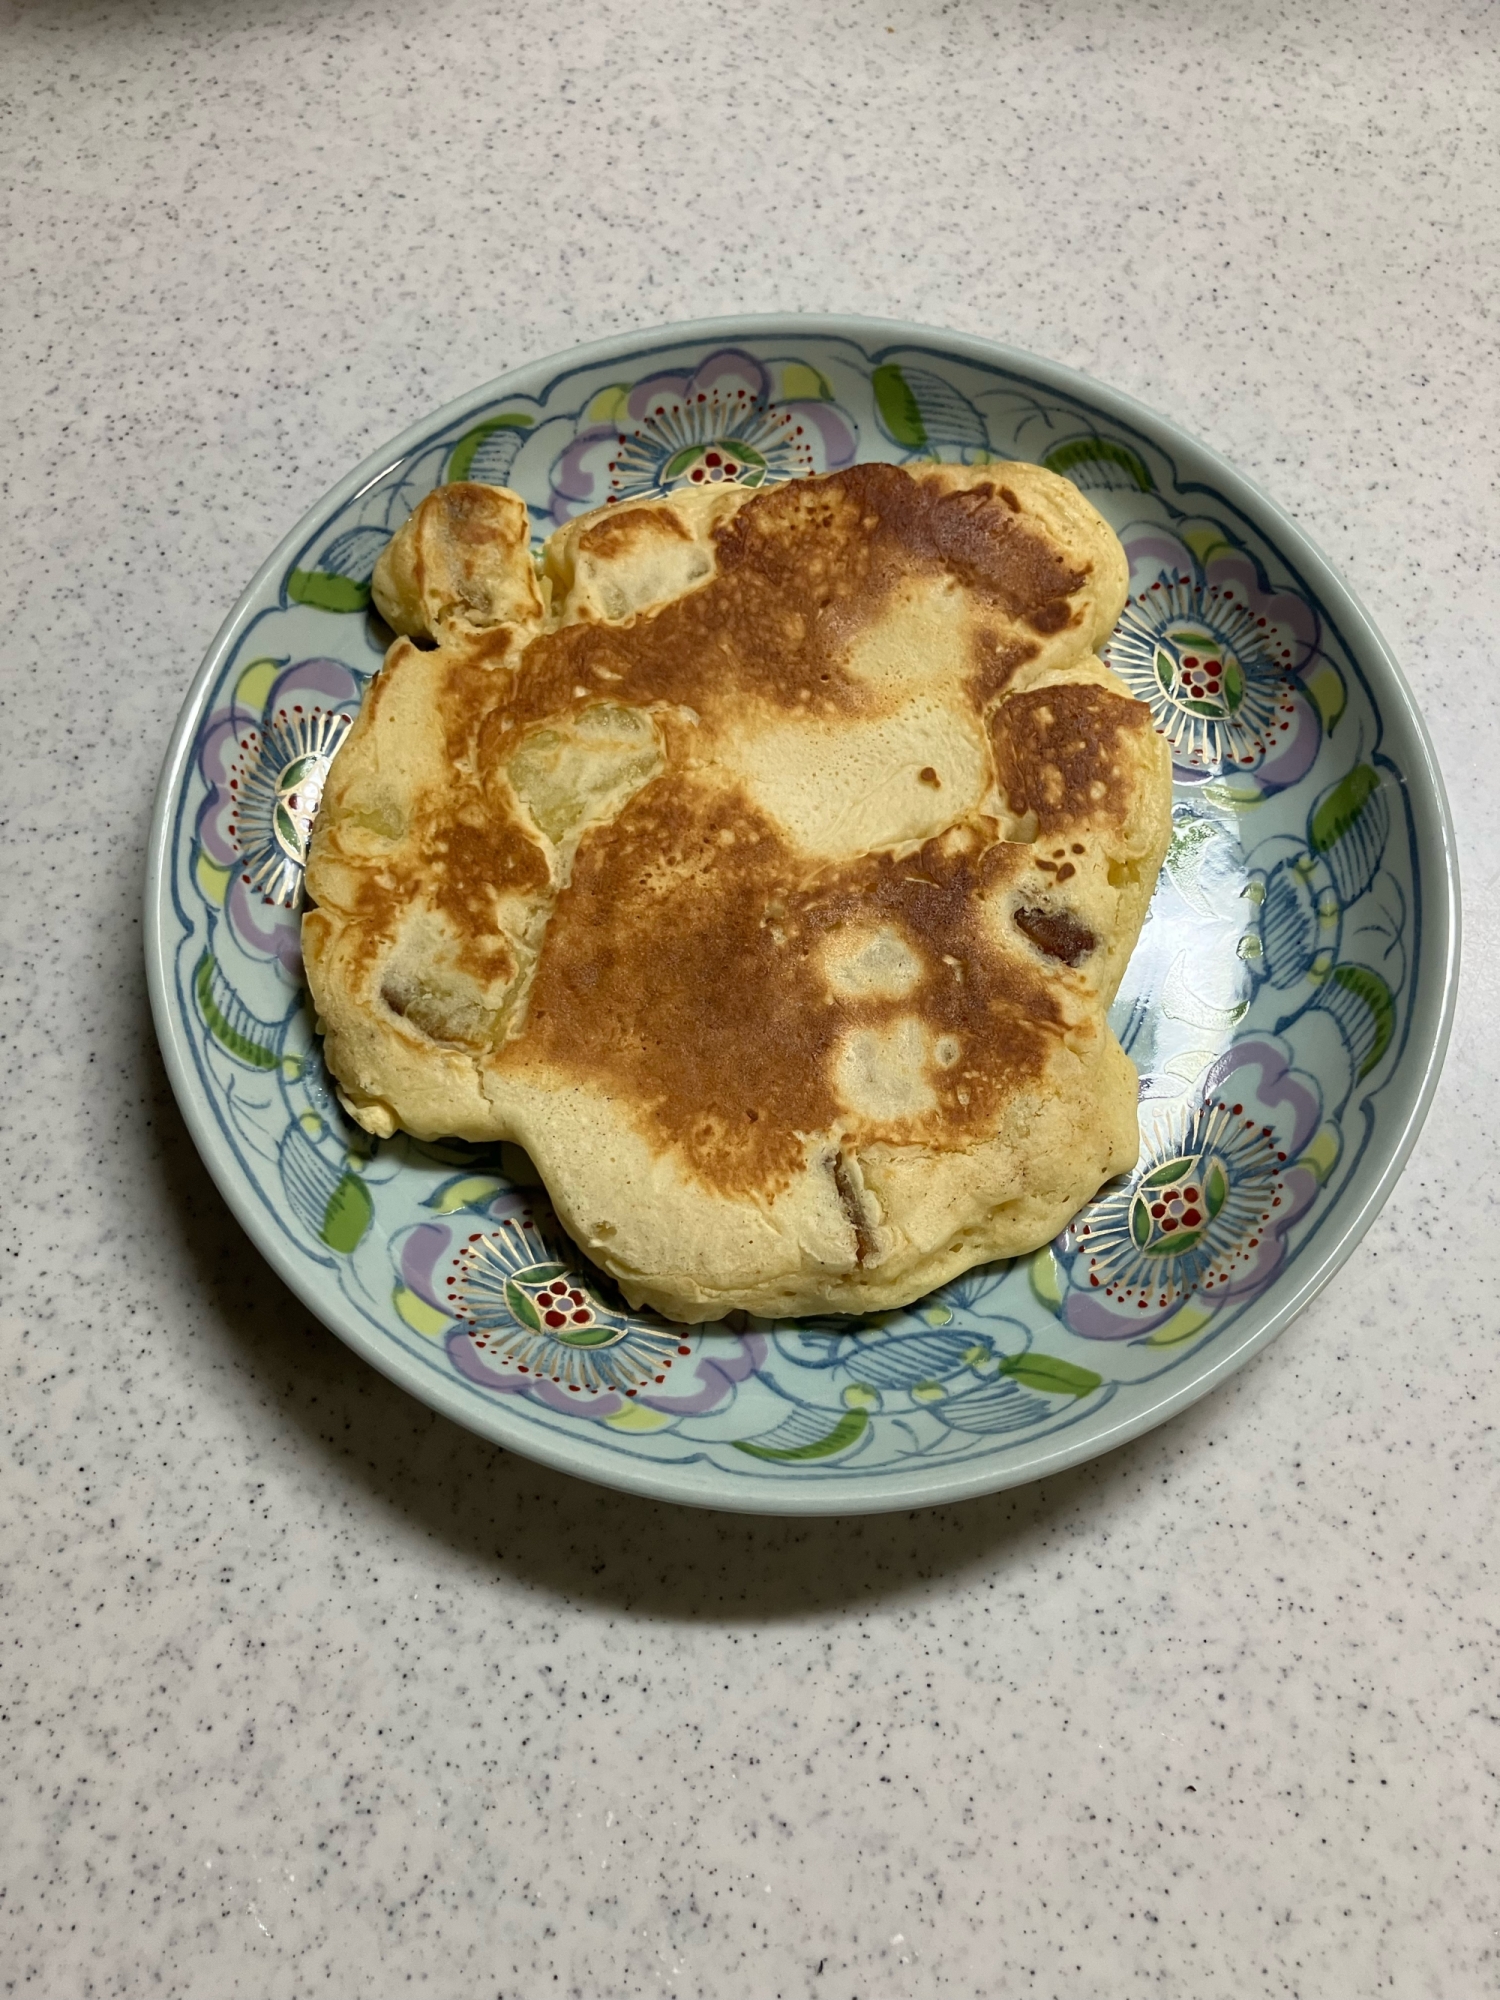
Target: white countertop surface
(305, 1691)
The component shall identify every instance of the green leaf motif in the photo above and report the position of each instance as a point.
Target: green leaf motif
(1051, 1376)
(461, 463)
(1339, 809)
(1215, 1190)
(1166, 670)
(475, 1191)
(751, 464)
(1234, 684)
(287, 830)
(1370, 988)
(1173, 1246)
(600, 1334)
(849, 1428)
(1169, 1171)
(348, 1215)
(521, 1305)
(228, 1020)
(325, 592)
(1100, 451)
(897, 406)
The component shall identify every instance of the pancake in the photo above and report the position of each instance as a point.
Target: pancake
(763, 863)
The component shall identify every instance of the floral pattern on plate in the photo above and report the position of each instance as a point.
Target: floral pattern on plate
(1204, 1217)
(1268, 1006)
(263, 755)
(722, 423)
(1231, 669)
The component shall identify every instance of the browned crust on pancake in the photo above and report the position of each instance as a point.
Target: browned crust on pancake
(681, 976)
(613, 533)
(672, 963)
(457, 557)
(802, 569)
(1063, 753)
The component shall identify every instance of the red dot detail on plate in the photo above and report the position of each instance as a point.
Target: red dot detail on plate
(555, 1318)
(684, 1350)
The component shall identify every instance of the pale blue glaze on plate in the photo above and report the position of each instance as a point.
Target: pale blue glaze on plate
(1287, 1007)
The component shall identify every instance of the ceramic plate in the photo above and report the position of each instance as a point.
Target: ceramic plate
(1287, 1005)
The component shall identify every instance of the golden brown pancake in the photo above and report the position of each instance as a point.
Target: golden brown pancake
(765, 870)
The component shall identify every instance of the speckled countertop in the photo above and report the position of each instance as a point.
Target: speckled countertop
(305, 1691)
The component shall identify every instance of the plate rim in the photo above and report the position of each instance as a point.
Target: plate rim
(1429, 1026)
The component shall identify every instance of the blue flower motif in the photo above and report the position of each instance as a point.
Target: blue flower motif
(1296, 918)
(1295, 944)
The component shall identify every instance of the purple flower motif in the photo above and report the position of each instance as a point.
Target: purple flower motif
(264, 754)
(528, 1318)
(718, 423)
(1222, 661)
(1205, 1214)
(419, 1255)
